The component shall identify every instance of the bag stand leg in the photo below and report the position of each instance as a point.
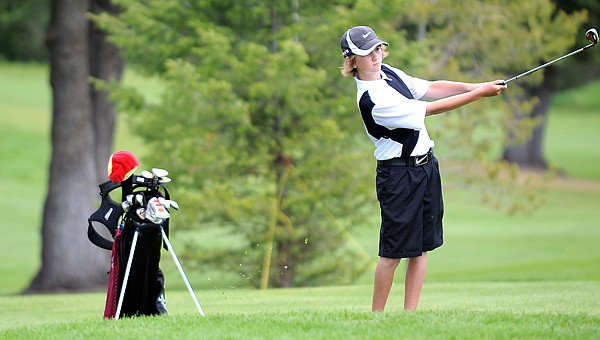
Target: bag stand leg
(127, 270)
(185, 279)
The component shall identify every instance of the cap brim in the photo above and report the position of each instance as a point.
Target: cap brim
(374, 44)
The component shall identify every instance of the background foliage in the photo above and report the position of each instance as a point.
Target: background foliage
(254, 113)
(22, 29)
(554, 243)
(258, 124)
(252, 133)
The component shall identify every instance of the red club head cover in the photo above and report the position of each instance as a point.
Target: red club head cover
(121, 166)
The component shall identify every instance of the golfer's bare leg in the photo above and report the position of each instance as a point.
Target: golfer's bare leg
(413, 283)
(384, 278)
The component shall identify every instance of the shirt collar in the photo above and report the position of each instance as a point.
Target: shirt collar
(362, 84)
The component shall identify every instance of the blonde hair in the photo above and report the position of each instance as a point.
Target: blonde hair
(348, 69)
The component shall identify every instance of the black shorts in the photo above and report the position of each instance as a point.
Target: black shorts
(412, 207)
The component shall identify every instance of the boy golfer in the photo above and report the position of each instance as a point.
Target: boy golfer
(408, 180)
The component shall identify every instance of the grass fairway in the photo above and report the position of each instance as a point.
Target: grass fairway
(330, 325)
(448, 310)
(497, 276)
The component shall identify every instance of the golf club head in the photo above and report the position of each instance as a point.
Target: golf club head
(160, 172)
(163, 180)
(156, 212)
(168, 203)
(147, 174)
(592, 36)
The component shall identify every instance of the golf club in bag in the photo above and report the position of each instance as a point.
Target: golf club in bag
(591, 35)
(139, 227)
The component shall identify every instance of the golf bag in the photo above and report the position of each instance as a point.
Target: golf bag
(137, 225)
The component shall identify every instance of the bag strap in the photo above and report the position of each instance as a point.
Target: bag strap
(108, 214)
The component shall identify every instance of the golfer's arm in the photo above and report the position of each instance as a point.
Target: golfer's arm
(453, 102)
(444, 88)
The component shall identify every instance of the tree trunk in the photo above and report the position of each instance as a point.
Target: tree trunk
(105, 63)
(286, 269)
(530, 154)
(69, 261)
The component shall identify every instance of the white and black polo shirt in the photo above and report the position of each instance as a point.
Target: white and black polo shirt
(394, 122)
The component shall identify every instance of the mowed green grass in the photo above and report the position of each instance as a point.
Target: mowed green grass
(448, 310)
(497, 276)
(24, 156)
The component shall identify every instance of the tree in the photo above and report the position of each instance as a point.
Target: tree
(528, 152)
(573, 72)
(254, 123)
(481, 40)
(259, 127)
(81, 144)
(583, 67)
(22, 24)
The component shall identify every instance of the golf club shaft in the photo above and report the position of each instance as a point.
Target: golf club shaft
(546, 64)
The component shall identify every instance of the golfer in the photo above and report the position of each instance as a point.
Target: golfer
(408, 180)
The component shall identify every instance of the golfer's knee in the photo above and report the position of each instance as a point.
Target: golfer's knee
(388, 262)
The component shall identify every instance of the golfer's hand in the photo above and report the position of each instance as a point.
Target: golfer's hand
(493, 88)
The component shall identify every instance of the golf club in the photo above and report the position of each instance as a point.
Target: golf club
(168, 203)
(160, 172)
(591, 35)
(147, 174)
